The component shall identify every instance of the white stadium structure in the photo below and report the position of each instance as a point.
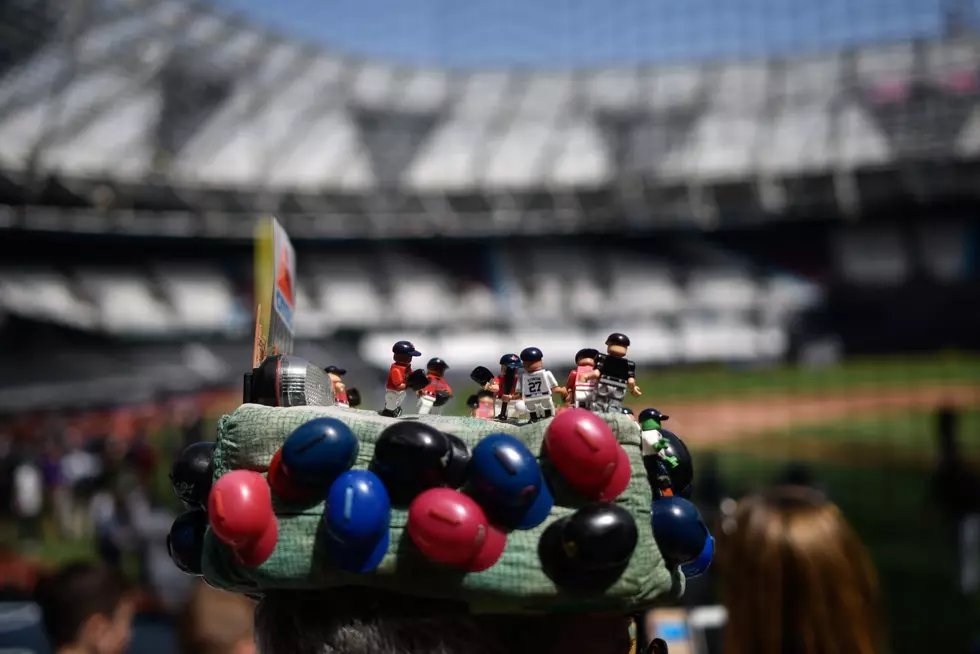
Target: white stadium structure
(169, 118)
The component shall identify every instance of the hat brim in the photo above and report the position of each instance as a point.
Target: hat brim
(700, 565)
(620, 477)
(490, 552)
(415, 353)
(359, 558)
(539, 510)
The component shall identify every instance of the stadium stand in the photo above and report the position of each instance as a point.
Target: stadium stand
(169, 105)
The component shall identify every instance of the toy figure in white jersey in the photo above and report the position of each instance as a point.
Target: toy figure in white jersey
(538, 385)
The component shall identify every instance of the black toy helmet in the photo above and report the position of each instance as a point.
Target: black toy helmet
(586, 353)
(510, 360)
(436, 362)
(618, 339)
(405, 347)
(336, 370)
(531, 354)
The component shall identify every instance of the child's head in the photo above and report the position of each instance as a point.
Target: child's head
(216, 622)
(86, 607)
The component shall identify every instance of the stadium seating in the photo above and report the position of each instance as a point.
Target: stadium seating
(45, 295)
(202, 299)
(126, 302)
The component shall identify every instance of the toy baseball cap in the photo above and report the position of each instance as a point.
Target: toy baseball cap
(586, 452)
(505, 478)
(357, 518)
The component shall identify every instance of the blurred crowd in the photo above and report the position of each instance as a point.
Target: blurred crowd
(790, 570)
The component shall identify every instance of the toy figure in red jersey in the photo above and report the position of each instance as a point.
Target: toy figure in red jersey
(437, 392)
(581, 383)
(398, 373)
(339, 388)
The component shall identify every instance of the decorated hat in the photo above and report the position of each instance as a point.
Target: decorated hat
(559, 515)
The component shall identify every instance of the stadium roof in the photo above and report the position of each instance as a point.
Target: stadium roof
(174, 93)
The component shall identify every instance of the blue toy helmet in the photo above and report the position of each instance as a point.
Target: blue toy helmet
(531, 354)
(436, 362)
(510, 360)
(405, 347)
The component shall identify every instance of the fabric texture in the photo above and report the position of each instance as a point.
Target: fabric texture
(250, 436)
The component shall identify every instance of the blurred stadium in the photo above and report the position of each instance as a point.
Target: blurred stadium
(785, 226)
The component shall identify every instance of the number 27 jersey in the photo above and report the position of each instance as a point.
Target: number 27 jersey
(537, 384)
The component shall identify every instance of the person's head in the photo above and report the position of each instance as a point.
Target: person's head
(796, 578)
(216, 622)
(86, 608)
(363, 621)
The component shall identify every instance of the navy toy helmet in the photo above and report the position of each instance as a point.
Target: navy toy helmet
(531, 355)
(335, 370)
(405, 348)
(652, 414)
(435, 363)
(510, 360)
(627, 411)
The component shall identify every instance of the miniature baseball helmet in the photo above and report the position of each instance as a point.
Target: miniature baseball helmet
(681, 534)
(191, 474)
(436, 362)
(473, 401)
(590, 548)
(586, 353)
(510, 360)
(411, 457)
(652, 414)
(627, 411)
(618, 339)
(531, 354)
(185, 542)
(405, 347)
(504, 477)
(336, 370)
(357, 517)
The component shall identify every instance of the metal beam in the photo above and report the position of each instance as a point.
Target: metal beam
(214, 139)
(313, 112)
(145, 73)
(114, 56)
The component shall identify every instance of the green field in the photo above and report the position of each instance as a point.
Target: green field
(710, 382)
(906, 440)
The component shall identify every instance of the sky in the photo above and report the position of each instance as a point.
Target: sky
(582, 33)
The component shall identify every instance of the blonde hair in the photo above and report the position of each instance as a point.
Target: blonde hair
(215, 622)
(796, 578)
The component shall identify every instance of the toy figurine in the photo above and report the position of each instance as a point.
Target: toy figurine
(481, 405)
(506, 383)
(615, 374)
(398, 374)
(339, 388)
(436, 393)
(653, 442)
(581, 384)
(537, 385)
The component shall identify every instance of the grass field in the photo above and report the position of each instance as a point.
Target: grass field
(707, 382)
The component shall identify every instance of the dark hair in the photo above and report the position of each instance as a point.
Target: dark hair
(365, 621)
(75, 593)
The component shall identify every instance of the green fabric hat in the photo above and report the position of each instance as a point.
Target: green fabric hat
(249, 437)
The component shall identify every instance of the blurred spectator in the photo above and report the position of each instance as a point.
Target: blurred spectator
(28, 499)
(86, 608)
(112, 536)
(216, 622)
(795, 578)
(956, 491)
(79, 470)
